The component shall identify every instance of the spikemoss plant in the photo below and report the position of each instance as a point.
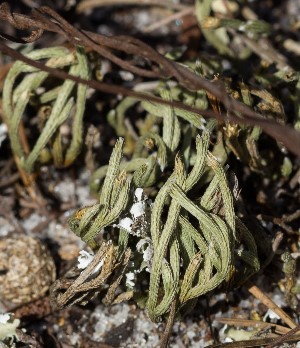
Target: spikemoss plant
(186, 243)
(196, 241)
(59, 103)
(56, 105)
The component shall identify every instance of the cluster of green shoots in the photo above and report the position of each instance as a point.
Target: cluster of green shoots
(164, 230)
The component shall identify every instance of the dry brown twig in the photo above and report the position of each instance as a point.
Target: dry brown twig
(169, 325)
(45, 18)
(287, 334)
(284, 338)
(253, 323)
(257, 342)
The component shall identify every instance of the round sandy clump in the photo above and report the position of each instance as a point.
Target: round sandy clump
(27, 269)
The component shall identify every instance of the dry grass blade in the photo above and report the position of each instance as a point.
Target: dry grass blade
(256, 343)
(287, 335)
(253, 323)
(284, 338)
(256, 292)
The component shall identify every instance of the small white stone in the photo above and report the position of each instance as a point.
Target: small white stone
(65, 190)
(32, 221)
(74, 338)
(126, 76)
(5, 227)
(190, 334)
